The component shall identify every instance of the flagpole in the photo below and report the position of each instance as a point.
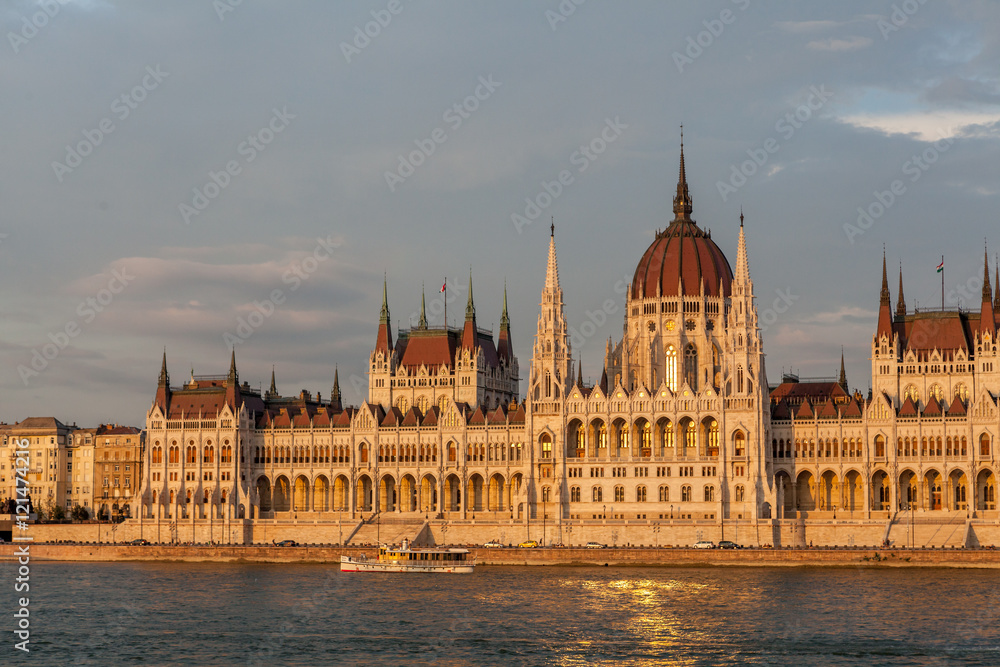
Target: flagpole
(445, 289)
(942, 282)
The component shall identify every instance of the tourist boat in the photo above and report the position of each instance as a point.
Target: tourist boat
(405, 559)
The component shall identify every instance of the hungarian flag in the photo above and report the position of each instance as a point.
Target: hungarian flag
(444, 287)
(940, 267)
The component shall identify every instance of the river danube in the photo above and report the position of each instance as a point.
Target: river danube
(253, 614)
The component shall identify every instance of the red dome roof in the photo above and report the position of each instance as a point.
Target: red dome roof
(682, 255)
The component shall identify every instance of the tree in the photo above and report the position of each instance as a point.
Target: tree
(79, 513)
(57, 513)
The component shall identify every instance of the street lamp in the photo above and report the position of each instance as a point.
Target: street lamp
(604, 511)
(671, 512)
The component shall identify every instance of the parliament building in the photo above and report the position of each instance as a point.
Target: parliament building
(682, 438)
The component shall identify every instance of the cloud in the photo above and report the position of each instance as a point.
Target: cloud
(855, 43)
(797, 27)
(930, 125)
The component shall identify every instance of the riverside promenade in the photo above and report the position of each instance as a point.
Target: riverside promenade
(550, 556)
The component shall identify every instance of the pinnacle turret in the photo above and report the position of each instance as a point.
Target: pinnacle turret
(682, 200)
(422, 324)
(901, 304)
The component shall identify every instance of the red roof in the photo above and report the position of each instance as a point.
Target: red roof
(794, 392)
(682, 255)
(804, 411)
(909, 408)
(957, 408)
(938, 330)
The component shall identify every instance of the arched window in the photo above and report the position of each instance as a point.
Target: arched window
(664, 494)
(691, 366)
(363, 453)
(192, 453)
(879, 445)
(668, 437)
(685, 494)
(619, 494)
(738, 496)
(739, 379)
(640, 494)
(546, 494)
(597, 494)
(984, 444)
(546, 442)
(739, 444)
(452, 452)
(709, 494)
(548, 384)
(574, 494)
(671, 368)
(157, 454)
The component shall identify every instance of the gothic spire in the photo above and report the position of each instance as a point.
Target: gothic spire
(384, 316)
(335, 392)
(422, 324)
(504, 318)
(843, 373)
(901, 305)
(682, 200)
(987, 292)
(232, 365)
(579, 373)
(470, 308)
(742, 263)
(885, 305)
(164, 376)
(273, 389)
(885, 297)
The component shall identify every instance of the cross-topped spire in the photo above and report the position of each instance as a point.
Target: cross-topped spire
(682, 201)
(384, 316)
(901, 304)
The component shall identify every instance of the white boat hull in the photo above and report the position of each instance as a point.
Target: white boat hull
(349, 564)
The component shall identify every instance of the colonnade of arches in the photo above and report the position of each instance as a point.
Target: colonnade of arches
(425, 494)
(641, 437)
(909, 490)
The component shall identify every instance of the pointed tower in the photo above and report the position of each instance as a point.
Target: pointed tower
(901, 305)
(842, 381)
(469, 341)
(422, 323)
(383, 341)
(579, 374)
(505, 346)
(233, 399)
(163, 386)
(987, 320)
(335, 398)
(272, 392)
(742, 335)
(885, 306)
(382, 362)
(551, 359)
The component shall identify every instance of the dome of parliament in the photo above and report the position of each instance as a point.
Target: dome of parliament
(682, 257)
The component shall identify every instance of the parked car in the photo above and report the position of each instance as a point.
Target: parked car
(493, 544)
(727, 544)
(530, 544)
(286, 543)
(704, 544)
(596, 545)
(140, 542)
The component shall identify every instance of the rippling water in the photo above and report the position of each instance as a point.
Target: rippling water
(230, 614)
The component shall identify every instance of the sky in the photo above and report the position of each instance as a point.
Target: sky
(196, 176)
